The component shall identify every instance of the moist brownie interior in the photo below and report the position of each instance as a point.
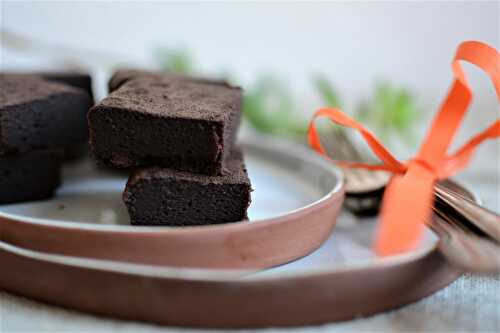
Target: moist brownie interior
(31, 176)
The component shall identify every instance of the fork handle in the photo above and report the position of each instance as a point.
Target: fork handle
(484, 219)
(466, 251)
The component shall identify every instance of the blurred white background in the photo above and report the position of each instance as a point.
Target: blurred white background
(353, 43)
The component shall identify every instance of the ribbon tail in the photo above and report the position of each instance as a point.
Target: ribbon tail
(407, 197)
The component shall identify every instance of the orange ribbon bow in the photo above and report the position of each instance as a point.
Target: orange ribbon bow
(409, 196)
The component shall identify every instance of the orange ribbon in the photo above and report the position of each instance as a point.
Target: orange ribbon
(409, 196)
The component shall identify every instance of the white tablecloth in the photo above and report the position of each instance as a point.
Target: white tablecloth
(472, 303)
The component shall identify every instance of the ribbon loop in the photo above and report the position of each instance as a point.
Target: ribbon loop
(483, 56)
(408, 198)
(390, 163)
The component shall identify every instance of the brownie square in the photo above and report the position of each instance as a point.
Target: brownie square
(179, 124)
(31, 176)
(38, 114)
(159, 196)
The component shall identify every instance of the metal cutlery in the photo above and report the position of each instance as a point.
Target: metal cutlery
(483, 219)
(464, 248)
(469, 234)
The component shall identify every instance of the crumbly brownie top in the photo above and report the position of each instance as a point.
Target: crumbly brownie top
(169, 98)
(20, 89)
(123, 75)
(236, 173)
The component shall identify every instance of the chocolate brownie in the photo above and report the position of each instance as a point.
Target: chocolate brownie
(180, 124)
(38, 114)
(123, 75)
(159, 196)
(73, 79)
(31, 176)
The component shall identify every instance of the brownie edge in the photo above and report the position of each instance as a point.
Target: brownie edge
(160, 196)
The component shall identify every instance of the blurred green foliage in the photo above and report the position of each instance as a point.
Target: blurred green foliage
(269, 107)
(326, 91)
(174, 60)
(390, 113)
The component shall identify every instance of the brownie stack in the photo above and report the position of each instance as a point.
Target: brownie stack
(176, 136)
(41, 118)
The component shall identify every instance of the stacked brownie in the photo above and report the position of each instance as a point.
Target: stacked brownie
(40, 119)
(73, 79)
(176, 134)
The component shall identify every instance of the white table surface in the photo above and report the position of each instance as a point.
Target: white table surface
(472, 303)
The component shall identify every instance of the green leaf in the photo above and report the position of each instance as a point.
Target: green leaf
(326, 91)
